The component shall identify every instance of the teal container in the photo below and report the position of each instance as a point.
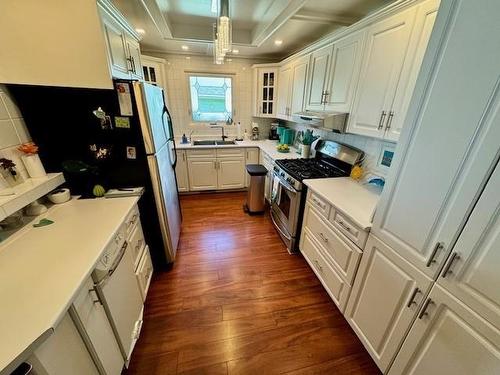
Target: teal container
(280, 130)
(288, 137)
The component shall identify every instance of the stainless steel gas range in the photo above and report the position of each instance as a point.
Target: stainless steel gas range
(288, 193)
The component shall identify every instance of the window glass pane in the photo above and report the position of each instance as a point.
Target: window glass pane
(146, 75)
(265, 79)
(271, 91)
(270, 108)
(264, 93)
(271, 79)
(152, 74)
(211, 98)
(264, 107)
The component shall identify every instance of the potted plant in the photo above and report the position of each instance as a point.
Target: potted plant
(9, 171)
(31, 160)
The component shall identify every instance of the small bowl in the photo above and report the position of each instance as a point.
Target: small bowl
(59, 196)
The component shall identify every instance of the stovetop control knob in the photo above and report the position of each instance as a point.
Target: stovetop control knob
(282, 174)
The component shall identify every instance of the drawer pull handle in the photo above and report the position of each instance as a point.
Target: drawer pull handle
(318, 203)
(132, 220)
(412, 297)
(424, 309)
(98, 300)
(139, 245)
(318, 265)
(343, 225)
(323, 237)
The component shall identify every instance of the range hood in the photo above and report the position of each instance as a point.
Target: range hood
(334, 121)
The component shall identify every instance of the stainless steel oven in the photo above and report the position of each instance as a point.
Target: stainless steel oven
(285, 209)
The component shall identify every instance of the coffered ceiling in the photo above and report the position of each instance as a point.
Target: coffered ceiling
(169, 25)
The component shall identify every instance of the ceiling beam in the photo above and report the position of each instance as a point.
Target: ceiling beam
(318, 17)
(281, 11)
(158, 17)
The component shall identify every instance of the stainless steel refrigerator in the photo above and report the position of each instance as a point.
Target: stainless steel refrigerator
(137, 138)
(159, 143)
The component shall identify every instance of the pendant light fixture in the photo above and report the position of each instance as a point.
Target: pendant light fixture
(222, 33)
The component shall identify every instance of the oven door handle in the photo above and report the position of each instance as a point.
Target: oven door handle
(287, 236)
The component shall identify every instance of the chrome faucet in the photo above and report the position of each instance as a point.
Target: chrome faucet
(222, 128)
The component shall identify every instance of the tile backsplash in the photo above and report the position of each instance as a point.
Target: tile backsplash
(177, 69)
(13, 130)
(372, 147)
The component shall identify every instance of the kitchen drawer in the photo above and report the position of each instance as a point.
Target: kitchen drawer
(334, 284)
(201, 153)
(320, 204)
(230, 152)
(144, 272)
(349, 228)
(136, 243)
(131, 220)
(337, 250)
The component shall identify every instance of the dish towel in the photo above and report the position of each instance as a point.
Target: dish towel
(275, 195)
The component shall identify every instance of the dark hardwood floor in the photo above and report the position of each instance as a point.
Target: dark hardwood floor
(237, 303)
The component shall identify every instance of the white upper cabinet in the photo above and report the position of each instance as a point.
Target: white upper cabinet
(393, 56)
(122, 43)
(387, 43)
(449, 339)
(318, 75)
(472, 271)
(298, 85)
(344, 73)
(285, 77)
(385, 297)
(292, 78)
(439, 170)
(266, 92)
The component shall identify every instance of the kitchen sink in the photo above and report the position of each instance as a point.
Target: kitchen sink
(213, 143)
(204, 143)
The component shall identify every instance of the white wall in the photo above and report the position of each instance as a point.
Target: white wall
(13, 131)
(176, 70)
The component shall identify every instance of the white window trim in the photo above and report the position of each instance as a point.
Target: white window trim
(202, 124)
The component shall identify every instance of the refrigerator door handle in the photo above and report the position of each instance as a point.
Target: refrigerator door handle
(174, 164)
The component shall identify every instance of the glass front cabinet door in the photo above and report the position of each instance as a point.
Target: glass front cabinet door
(266, 92)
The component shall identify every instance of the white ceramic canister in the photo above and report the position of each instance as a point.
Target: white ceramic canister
(34, 166)
(305, 151)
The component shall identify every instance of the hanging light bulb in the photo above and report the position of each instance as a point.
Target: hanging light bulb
(222, 33)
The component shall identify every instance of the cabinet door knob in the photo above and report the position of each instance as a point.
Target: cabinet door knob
(323, 237)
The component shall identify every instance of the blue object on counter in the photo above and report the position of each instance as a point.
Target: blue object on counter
(377, 181)
(184, 138)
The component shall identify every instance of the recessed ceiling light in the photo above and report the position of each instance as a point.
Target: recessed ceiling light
(236, 51)
(184, 48)
(278, 42)
(141, 31)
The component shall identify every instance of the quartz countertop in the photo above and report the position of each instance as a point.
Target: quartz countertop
(268, 146)
(356, 200)
(42, 269)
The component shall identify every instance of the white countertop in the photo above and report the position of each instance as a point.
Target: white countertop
(268, 146)
(41, 269)
(358, 201)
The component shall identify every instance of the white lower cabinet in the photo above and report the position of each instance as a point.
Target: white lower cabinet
(202, 174)
(335, 285)
(63, 353)
(91, 320)
(219, 169)
(231, 173)
(386, 295)
(181, 171)
(267, 162)
(450, 339)
(144, 272)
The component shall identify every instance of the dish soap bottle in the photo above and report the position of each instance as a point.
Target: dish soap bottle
(184, 138)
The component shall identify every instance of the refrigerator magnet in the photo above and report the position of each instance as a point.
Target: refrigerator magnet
(124, 98)
(122, 122)
(131, 153)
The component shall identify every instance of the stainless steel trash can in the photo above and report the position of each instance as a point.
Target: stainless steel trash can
(256, 202)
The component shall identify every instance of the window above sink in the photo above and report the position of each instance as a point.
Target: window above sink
(211, 98)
